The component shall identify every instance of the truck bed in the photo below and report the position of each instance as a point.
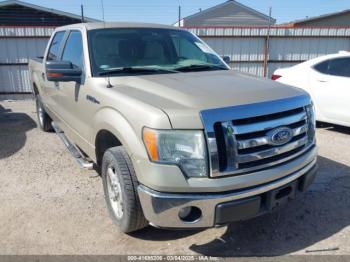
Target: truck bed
(36, 69)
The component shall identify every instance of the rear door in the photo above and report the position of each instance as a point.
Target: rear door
(339, 84)
(330, 88)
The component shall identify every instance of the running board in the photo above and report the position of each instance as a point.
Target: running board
(75, 152)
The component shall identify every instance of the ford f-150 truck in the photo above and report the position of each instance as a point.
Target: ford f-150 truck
(179, 139)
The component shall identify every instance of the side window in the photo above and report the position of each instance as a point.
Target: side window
(73, 51)
(339, 67)
(322, 67)
(55, 46)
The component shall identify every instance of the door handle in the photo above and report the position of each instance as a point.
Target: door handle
(322, 80)
(43, 76)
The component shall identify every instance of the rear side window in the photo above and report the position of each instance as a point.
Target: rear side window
(335, 67)
(322, 67)
(73, 51)
(339, 67)
(55, 46)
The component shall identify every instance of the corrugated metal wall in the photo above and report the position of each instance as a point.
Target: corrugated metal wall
(247, 47)
(238, 48)
(296, 49)
(15, 79)
(18, 50)
(17, 45)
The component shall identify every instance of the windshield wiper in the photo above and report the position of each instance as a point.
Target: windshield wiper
(199, 67)
(136, 70)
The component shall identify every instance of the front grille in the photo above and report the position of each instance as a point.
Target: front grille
(242, 145)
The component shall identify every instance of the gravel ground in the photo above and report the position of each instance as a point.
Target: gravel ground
(50, 206)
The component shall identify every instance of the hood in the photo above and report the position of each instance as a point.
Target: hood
(183, 95)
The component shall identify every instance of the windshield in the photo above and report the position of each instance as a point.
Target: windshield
(113, 50)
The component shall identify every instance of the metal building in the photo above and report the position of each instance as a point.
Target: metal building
(258, 47)
(24, 33)
(261, 50)
(341, 18)
(229, 13)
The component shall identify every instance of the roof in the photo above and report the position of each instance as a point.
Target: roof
(228, 4)
(315, 18)
(44, 9)
(101, 25)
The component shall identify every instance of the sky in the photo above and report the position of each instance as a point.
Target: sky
(166, 11)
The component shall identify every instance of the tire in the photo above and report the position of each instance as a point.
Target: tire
(44, 119)
(120, 190)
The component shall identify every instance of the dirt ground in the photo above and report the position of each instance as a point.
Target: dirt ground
(50, 206)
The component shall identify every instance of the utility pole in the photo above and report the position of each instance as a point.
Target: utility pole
(270, 18)
(179, 16)
(82, 13)
(267, 44)
(103, 11)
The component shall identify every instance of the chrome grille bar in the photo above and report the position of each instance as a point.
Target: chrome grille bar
(262, 166)
(266, 125)
(260, 141)
(243, 158)
(230, 145)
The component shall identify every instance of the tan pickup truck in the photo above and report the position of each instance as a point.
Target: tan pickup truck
(180, 140)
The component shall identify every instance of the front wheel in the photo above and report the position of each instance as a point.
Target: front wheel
(120, 189)
(43, 118)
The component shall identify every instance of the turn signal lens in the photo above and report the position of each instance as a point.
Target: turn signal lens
(55, 75)
(150, 139)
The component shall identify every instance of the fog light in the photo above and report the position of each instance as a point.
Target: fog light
(190, 214)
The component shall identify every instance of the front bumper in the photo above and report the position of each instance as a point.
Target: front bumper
(162, 209)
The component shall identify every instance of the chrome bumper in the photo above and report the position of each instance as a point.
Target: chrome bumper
(162, 209)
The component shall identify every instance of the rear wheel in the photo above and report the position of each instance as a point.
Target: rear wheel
(44, 119)
(120, 189)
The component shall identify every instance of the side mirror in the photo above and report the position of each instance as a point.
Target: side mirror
(62, 71)
(226, 59)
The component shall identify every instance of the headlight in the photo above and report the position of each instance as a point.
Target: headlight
(311, 119)
(187, 149)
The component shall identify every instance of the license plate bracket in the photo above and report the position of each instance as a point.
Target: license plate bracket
(281, 196)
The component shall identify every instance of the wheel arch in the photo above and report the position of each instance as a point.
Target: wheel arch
(103, 141)
(112, 129)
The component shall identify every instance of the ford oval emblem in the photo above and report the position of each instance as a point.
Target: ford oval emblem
(280, 136)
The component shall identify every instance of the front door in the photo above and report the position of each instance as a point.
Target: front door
(74, 108)
(50, 90)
